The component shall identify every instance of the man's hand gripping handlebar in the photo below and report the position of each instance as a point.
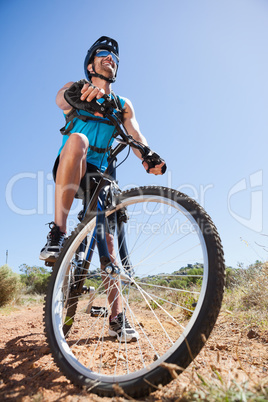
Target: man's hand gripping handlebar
(153, 160)
(105, 105)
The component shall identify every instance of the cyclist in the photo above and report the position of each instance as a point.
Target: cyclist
(84, 151)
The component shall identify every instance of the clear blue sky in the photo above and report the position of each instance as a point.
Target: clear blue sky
(196, 73)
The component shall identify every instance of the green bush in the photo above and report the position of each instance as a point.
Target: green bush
(9, 285)
(162, 282)
(155, 304)
(34, 278)
(178, 284)
(96, 283)
(36, 283)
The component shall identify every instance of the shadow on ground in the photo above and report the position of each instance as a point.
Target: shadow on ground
(26, 369)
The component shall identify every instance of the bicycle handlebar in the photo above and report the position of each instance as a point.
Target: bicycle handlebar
(106, 106)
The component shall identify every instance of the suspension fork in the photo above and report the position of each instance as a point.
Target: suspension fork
(83, 260)
(121, 218)
(104, 254)
(122, 244)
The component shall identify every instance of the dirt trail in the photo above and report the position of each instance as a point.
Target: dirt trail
(27, 371)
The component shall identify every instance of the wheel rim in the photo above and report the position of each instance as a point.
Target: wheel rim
(171, 309)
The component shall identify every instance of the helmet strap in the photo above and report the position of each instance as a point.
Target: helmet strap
(111, 80)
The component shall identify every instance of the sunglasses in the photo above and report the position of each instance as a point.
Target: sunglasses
(105, 53)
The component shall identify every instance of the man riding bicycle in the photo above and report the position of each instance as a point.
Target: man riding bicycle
(84, 151)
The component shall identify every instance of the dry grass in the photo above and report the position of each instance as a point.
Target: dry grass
(247, 297)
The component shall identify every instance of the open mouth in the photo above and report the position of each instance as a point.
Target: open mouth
(108, 63)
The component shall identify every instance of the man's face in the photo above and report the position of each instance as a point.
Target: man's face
(105, 66)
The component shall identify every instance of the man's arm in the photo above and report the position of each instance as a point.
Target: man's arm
(60, 101)
(133, 129)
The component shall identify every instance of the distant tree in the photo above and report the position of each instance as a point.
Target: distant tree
(34, 278)
(28, 270)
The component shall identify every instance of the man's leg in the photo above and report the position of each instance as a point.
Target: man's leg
(71, 169)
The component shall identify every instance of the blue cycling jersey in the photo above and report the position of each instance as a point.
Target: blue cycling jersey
(99, 135)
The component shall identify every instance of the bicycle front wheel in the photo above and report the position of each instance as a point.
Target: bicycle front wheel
(172, 298)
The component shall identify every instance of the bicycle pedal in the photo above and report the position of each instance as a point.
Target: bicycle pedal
(99, 311)
(49, 263)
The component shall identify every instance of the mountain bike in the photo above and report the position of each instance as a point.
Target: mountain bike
(169, 273)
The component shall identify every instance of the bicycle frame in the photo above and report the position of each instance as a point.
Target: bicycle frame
(105, 188)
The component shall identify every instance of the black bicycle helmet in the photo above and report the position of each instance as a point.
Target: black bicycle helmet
(106, 43)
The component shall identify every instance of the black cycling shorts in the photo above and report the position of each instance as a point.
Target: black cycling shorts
(88, 182)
